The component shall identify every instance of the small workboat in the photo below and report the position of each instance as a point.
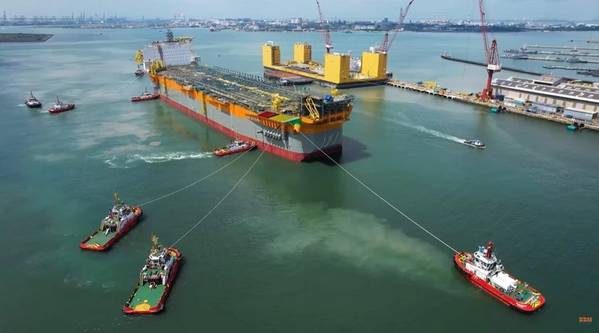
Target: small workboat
(145, 96)
(234, 147)
(33, 102)
(121, 218)
(59, 106)
(474, 143)
(484, 270)
(140, 72)
(155, 280)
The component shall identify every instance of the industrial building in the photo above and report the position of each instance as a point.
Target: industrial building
(550, 94)
(339, 70)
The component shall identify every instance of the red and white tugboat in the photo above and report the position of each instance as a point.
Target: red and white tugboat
(234, 147)
(121, 218)
(145, 96)
(155, 280)
(33, 102)
(484, 270)
(59, 107)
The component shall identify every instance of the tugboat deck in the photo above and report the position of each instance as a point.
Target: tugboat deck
(146, 297)
(100, 238)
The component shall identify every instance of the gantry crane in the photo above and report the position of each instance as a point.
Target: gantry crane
(491, 53)
(326, 33)
(387, 42)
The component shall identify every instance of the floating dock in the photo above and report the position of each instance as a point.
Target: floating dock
(338, 71)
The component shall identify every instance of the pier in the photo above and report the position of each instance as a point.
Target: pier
(431, 88)
(478, 63)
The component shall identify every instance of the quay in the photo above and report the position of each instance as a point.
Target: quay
(431, 88)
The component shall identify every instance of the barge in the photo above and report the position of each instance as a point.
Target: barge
(294, 125)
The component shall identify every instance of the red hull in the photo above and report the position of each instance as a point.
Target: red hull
(233, 151)
(67, 107)
(498, 295)
(118, 236)
(293, 156)
(167, 290)
(144, 98)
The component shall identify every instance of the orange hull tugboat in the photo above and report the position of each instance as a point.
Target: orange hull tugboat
(145, 96)
(234, 147)
(121, 218)
(155, 280)
(484, 270)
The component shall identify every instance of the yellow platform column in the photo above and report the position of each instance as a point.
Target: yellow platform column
(374, 65)
(302, 53)
(271, 55)
(336, 68)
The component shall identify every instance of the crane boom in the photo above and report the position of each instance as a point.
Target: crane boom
(491, 53)
(326, 34)
(388, 41)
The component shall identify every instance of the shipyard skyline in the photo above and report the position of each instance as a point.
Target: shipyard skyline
(348, 9)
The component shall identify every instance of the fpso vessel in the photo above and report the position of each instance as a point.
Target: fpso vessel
(277, 119)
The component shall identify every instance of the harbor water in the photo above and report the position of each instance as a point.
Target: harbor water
(298, 247)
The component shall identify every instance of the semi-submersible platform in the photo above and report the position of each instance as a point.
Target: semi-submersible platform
(279, 120)
(339, 70)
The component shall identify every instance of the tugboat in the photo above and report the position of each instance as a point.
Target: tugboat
(484, 270)
(155, 280)
(32, 102)
(121, 218)
(145, 96)
(59, 107)
(234, 147)
(474, 143)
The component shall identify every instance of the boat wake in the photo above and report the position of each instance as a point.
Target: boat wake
(133, 159)
(423, 129)
(360, 240)
(437, 133)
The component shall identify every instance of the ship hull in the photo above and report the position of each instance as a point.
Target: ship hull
(489, 289)
(68, 107)
(103, 247)
(300, 149)
(169, 284)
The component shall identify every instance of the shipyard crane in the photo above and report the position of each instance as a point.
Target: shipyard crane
(326, 34)
(491, 53)
(387, 42)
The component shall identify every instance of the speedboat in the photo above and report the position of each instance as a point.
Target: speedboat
(474, 143)
(234, 147)
(32, 102)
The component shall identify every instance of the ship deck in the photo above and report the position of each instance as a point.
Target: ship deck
(243, 89)
(146, 295)
(100, 238)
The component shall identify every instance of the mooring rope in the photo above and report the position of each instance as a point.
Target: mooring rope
(380, 197)
(195, 182)
(219, 202)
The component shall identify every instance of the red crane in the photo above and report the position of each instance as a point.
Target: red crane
(387, 42)
(491, 53)
(326, 34)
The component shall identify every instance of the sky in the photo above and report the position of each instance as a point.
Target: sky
(332, 9)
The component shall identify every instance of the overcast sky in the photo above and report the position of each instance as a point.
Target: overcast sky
(350, 9)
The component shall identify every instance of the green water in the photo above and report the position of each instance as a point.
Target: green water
(298, 247)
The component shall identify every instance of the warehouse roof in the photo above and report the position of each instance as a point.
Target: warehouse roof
(564, 90)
